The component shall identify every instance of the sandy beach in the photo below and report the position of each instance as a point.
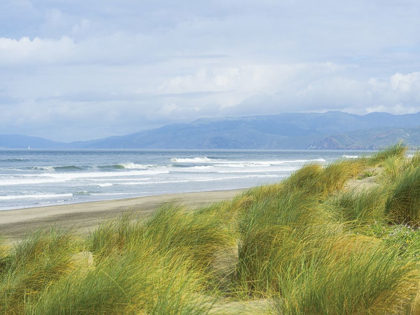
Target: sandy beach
(83, 217)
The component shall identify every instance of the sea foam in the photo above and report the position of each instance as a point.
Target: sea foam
(192, 160)
(40, 196)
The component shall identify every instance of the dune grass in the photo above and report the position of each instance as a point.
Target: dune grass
(307, 245)
(403, 206)
(361, 207)
(42, 258)
(138, 282)
(397, 151)
(364, 277)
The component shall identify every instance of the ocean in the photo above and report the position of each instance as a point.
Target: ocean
(34, 178)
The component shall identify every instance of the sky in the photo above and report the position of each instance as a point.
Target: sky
(79, 70)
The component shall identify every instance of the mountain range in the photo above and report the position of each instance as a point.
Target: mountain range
(330, 130)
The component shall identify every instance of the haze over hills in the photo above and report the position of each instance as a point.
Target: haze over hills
(331, 130)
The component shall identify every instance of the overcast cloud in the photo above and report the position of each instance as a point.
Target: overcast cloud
(78, 70)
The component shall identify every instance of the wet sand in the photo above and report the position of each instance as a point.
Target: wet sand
(83, 217)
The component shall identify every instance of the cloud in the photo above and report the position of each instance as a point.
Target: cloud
(405, 83)
(399, 94)
(83, 26)
(78, 69)
(25, 51)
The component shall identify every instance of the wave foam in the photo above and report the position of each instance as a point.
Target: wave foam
(45, 196)
(350, 156)
(29, 181)
(267, 163)
(92, 175)
(105, 185)
(227, 163)
(44, 168)
(57, 168)
(134, 166)
(192, 160)
(68, 168)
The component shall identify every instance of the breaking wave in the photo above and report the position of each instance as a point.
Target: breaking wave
(192, 160)
(132, 166)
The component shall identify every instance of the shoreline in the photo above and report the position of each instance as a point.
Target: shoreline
(83, 217)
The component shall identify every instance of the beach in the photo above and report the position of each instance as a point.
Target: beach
(80, 188)
(84, 217)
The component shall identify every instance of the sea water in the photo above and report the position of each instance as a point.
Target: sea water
(33, 178)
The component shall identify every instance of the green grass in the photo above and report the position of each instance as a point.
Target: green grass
(403, 206)
(307, 245)
(361, 207)
(139, 282)
(396, 151)
(363, 277)
(42, 258)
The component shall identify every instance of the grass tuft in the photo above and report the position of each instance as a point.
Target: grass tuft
(139, 282)
(361, 207)
(40, 259)
(403, 206)
(395, 151)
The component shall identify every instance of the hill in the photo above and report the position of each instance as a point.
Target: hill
(369, 139)
(19, 142)
(283, 131)
(331, 130)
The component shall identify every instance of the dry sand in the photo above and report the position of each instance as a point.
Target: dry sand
(14, 224)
